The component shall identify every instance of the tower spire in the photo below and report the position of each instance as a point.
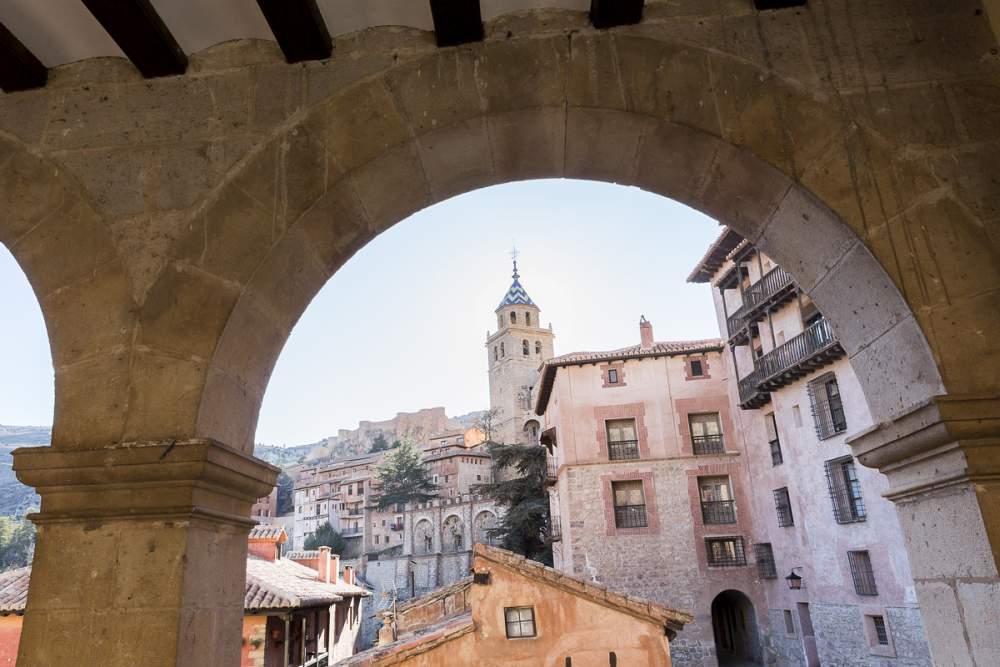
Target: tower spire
(513, 257)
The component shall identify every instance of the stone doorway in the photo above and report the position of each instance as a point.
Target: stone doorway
(734, 624)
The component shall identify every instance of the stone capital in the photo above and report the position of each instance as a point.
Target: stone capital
(175, 480)
(946, 440)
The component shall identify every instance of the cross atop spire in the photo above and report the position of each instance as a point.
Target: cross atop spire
(513, 257)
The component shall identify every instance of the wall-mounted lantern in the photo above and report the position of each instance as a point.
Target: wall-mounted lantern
(794, 580)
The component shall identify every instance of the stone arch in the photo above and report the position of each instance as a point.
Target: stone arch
(423, 537)
(248, 279)
(453, 534)
(484, 521)
(66, 252)
(532, 431)
(734, 624)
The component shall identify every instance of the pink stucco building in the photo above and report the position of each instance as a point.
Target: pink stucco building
(649, 487)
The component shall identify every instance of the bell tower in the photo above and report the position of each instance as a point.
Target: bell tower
(514, 353)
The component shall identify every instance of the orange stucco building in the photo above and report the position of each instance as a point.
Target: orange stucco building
(516, 612)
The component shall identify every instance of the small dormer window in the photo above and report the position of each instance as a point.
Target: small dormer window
(513, 317)
(527, 319)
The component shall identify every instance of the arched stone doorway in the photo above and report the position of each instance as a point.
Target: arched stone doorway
(734, 623)
(532, 431)
(166, 315)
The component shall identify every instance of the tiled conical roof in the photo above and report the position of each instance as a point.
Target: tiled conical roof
(516, 296)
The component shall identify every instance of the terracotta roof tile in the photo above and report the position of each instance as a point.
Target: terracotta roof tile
(265, 531)
(414, 643)
(14, 590)
(715, 256)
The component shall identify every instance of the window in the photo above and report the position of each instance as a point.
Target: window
(502, 354)
(827, 407)
(862, 573)
(538, 347)
(725, 551)
(789, 623)
(524, 348)
(717, 505)
(527, 319)
(435, 479)
(845, 490)
(772, 438)
(706, 433)
(630, 504)
(520, 622)
(623, 443)
(513, 317)
(376, 539)
(612, 376)
(880, 633)
(783, 506)
(764, 555)
(496, 353)
(696, 368)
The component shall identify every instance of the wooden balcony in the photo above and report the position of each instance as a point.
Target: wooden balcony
(813, 348)
(770, 291)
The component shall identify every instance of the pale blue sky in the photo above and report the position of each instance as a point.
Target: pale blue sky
(403, 324)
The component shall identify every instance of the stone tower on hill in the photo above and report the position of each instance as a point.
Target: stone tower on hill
(514, 353)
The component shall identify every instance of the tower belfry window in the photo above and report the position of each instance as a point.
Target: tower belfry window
(538, 347)
(502, 354)
(513, 317)
(527, 319)
(524, 347)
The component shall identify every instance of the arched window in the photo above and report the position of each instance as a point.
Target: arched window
(500, 321)
(527, 319)
(538, 347)
(513, 317)
(524, 347)
(496, 353)
(501, 351)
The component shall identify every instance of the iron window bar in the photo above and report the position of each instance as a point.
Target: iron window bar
(708, 444)
(622, 450)
(783, 507)
(845, 491)
(725, 551)
(764, 555)
(630, 516)
(881, 634)
(718, 511)
(862, 572)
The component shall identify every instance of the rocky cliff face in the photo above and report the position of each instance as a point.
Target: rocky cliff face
(347, 443)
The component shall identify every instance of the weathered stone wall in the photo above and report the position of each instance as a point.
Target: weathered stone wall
(841, 638)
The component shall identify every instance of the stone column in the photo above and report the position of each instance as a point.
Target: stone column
(943, 464)
(141, 553)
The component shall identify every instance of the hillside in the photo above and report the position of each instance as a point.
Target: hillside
(16, 499)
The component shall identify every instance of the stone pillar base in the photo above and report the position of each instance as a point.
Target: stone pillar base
(942, 460)
(141, 553)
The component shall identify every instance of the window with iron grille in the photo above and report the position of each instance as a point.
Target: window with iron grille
(764, 555)
(881, 633)
(845, 490)
(717, 505)
(772, 438)
(725, 551)
(706, 433)
(827, 406)
(783, 506)
(612, 376)
(623, 443)
(630, 504)
(520, 622)
(862, 573)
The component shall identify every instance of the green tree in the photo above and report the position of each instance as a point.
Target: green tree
(403, 477)
(326, 536)
(17, 542)
(519, 487)
(285, 490)
(380, 444)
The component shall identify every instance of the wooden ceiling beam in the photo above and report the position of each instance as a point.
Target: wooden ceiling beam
(299, 27)
(19, 68)
(611, 13)
(778, 4)
(141, 34)
(457, 21)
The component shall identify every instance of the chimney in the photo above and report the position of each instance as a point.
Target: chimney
(265, 541)
(323, 566)
(645, 333)
(348, 574)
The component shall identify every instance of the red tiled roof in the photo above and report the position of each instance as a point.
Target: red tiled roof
(414, 643)
(658, 349)
(263, 531)
(14, 590)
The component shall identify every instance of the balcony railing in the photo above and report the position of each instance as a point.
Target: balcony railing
(623, 449)
(551, 471)
(398, 527)
(708, 444)
(630, 516)
(555, 529)
(790, 360)
(718, 511)
(736, 322)
(350, 532)
(771, 284)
